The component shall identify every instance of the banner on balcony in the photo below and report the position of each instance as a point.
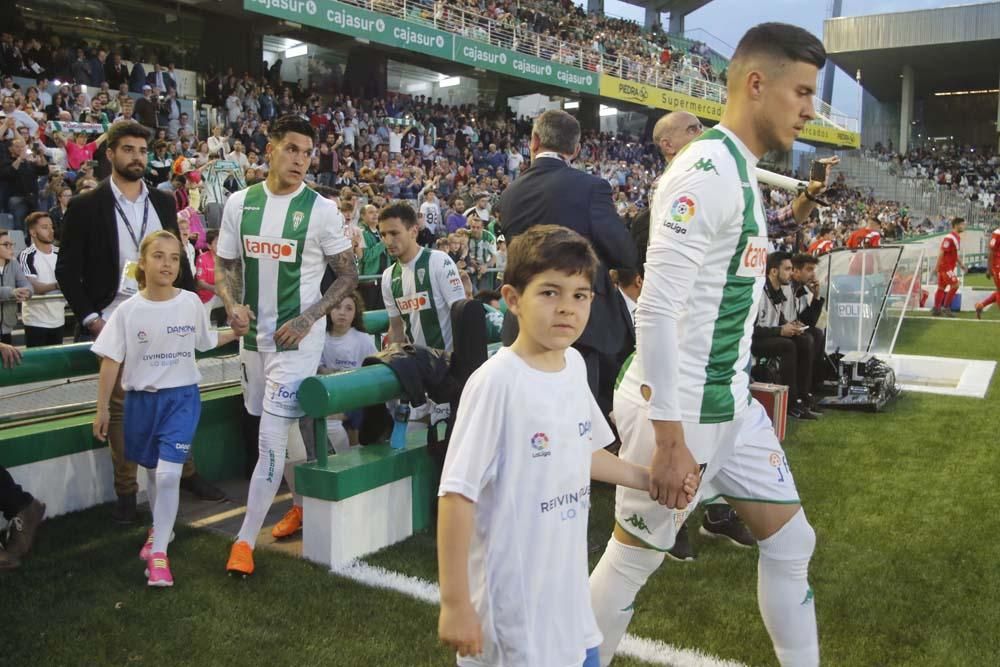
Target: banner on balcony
(358, 22)
(669, 100)
(514, 63)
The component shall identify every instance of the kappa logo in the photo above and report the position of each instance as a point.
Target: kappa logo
(703, 165)
(638, 523)
(265, 247)
(297, 219)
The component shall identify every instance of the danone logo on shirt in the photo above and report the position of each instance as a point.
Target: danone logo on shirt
(266, 247)
(411, 304)
(181, 330)
(754, 259)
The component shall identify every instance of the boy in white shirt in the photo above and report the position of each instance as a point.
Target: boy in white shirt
(515, 489)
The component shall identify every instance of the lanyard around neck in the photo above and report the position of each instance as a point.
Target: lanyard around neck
(128, 225)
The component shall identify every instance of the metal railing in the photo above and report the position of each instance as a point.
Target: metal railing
(924, 197)
(680, 76)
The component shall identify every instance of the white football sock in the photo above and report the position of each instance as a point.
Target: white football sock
(784, 595)
(337, 435)
(290, 480)
(266, 474)
(151, 488)
(168, 498)
(296, 454)
(614, 583)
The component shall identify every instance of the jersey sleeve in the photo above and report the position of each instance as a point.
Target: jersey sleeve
(946, 244)
(447, 282)
(471, 461)
(110, 342)
(995, 241)
(334, 239)
(27, 261)
(229, 244)
(390, 303)
(689, 208)
(208, 337)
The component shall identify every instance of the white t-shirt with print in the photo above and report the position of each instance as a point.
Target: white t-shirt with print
(521, 451)
(342, 353)
(156, 340)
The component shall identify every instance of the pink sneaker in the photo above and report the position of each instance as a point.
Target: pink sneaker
(147, 549)
(158, 570)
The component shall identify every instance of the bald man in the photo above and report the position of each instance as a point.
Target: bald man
(674, 131)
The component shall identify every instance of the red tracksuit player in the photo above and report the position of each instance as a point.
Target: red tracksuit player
(947, 263)
(992, 270)
(823, 243)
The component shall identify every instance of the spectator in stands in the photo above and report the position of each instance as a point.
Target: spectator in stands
(43, 319)
(116, 73)
(24, 511)
(146, 108)
(20, 168)
(137, 78)
(14, 287)
(117, 215)
(16, 118)
(161, 79)
(57, 212)
(778, 336)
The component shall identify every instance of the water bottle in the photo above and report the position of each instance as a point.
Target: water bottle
(400, 421)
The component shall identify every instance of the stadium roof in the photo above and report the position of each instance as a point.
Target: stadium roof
(949, 49)
(670, 6)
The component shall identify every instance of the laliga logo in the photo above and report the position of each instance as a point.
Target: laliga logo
(540, 443)
(683, 209)
(142, 336)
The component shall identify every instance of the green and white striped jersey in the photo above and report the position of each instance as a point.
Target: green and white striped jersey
(421, 292)
(283, 242)
(705, 270)
(483, 248)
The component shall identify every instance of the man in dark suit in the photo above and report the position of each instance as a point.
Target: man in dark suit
(146, 108)
(160, 79)
(550, 192)
(101, 233)
(116, 72)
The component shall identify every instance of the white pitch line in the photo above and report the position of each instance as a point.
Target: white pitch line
(950, 319)
(647, 650)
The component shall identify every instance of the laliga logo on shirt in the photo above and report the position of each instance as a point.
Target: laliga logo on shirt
(682, 209)
(264, 247)
(142, 336)
(540, 443)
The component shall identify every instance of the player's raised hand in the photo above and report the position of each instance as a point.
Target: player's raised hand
(458, 627)
(672, 464)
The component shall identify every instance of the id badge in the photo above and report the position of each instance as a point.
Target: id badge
(128, 284)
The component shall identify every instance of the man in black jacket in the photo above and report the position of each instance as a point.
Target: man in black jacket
(101, 233)
(549, 192)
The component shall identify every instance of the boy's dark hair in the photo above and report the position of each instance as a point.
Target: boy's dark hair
(277, 130)
(125, 128)
(801, 259)
(404, 212)
(775, 259)
(487, 295)
(780, 41)
(545, 247)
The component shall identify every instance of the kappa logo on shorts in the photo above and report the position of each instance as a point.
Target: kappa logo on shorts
(639, 523)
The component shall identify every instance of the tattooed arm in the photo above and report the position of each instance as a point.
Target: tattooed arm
(295, 330)
(229, 287)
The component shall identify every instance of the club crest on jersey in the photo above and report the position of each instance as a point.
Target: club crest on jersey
(754, 260)
(265, 247)
(297, 219)
(420, 275)
(412, 304)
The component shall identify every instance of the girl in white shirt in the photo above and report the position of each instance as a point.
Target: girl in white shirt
(155, 334)
(347, 344)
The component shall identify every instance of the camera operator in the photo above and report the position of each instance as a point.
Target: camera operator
(780, 336)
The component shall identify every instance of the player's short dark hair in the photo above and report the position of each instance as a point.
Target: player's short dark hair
(801, 259)
(627, 276)
(775, 259)
(487, 295)
(277, 130)
(825, 229)
(404, 212)
(545, 247)
(34, 218)
(326, 192)
(126, 128)
(956, 221)
(781, 41)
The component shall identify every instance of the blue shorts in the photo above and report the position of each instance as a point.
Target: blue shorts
(593, 657)
(353, 419)
(161, 424)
